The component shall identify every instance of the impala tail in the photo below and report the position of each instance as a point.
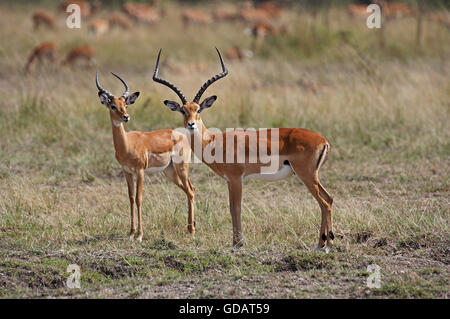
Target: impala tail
(323, 155)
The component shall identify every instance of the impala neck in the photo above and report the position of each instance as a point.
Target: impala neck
(201, 136)
(119, 136)
(205, 136)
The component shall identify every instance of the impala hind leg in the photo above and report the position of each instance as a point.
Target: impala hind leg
(182, 171)
(130, 184)
(311, 180)
(139, 186)
(178, 173)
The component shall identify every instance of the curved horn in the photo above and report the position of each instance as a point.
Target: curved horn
(167, 83)
(100, 88)
(212, 80)
(127, 89)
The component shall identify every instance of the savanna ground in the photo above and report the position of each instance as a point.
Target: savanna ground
(385, 111)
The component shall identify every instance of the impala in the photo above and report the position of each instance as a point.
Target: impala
(272, 8)
(293, 150)
(357, 10)
(45, 50)
(98, 27)
(43, 18)
(85, 52)
(157, 151)
(236, 53)
(195, 17)
(119, 20)
(395, 9)
(141, 12)
(261, 30)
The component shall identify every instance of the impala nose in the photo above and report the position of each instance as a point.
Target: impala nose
(126, 118)
(192, 126)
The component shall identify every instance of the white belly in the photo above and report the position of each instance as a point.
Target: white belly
(156, 169)
(158, 162)
(283, 173)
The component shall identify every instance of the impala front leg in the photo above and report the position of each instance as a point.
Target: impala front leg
(235, 193)
(130, 183)
(139, 186)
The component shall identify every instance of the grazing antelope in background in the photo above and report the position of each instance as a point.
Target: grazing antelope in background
(253, 15)
(357, 10)
(43, 18)
(219, 15)
(141, 13)
(165, 151)
(195, 17)
(261, 30)
(300, 152)
(119, 20)
(236, 53)
(394, 9)
(272, 8)
(45, 50)
(98, 27)
(85, 53)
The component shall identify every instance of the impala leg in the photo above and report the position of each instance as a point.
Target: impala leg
(139, 185)
(182, 171)
(130, 183)
(311, 180)
(324, 194)
(235, 193)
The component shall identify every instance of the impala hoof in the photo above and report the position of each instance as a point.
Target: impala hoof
(237, 245)
(325, 249)
(191, 228)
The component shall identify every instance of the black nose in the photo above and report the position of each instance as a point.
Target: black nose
(126, 118)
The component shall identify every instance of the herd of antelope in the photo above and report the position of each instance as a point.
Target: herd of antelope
(298, 151)
(259, 18)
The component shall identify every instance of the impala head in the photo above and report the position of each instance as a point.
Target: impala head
(191, 110)
(117, 106)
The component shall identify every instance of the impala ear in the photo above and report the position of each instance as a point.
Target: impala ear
(174, 106)
(208, 102)
(132, 98)
(103, 98)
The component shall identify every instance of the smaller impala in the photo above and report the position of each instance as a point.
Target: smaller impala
(165, 151)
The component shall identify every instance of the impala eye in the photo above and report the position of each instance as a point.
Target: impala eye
(183, 111)
(113, 107)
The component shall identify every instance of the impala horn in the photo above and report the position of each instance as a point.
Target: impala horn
(100, 89)
(212, 80)
(127, 89)
(167, 83)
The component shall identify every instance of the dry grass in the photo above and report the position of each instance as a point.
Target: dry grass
(385, 112)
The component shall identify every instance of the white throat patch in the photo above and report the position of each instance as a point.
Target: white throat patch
(117, 124)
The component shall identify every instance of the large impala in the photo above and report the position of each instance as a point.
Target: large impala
(157, 151)
(293, 150)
